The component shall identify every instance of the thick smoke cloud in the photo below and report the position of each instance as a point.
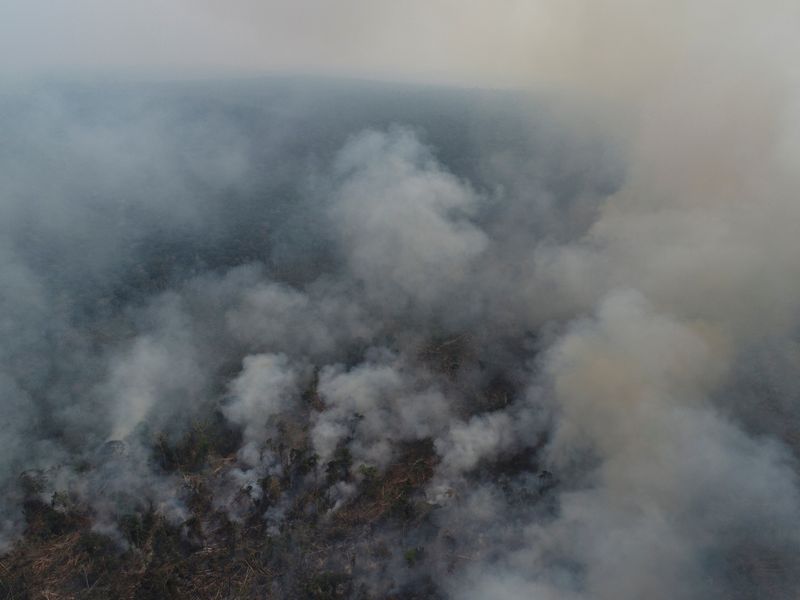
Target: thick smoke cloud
(396, 202)
(586, 305)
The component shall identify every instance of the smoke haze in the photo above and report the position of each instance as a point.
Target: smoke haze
(574, 302)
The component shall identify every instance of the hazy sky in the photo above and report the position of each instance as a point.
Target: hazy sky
(482, 42)
(464, 40)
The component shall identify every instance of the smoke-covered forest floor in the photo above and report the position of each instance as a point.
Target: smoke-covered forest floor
(302, 339)
(232, 169)
(209, 556)
(315, 553)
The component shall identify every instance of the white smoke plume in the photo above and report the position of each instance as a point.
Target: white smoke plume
(582, 300)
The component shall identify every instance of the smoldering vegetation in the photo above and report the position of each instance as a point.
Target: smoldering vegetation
(289, 338)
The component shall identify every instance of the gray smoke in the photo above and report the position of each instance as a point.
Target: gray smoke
(588, 308)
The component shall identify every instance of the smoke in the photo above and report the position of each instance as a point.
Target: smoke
(381, 397)
(583, 305)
